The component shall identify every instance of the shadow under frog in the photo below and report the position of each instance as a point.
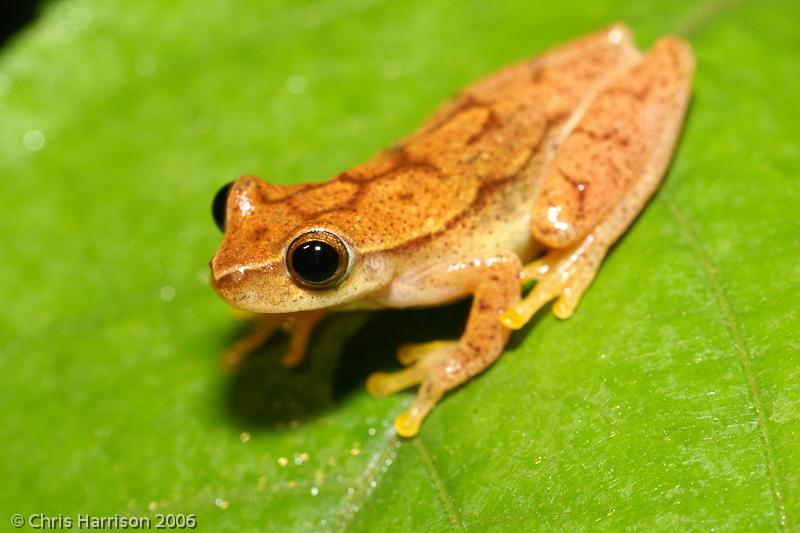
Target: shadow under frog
(347, 348)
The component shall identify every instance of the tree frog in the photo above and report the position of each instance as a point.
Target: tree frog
(530, 174)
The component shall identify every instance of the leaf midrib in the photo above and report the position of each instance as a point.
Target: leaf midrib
(740, 346)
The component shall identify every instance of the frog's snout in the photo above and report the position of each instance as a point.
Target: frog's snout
(241, 287)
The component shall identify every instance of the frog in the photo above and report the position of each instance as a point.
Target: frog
(511, 194)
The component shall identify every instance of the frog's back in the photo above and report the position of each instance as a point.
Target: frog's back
(494, 134)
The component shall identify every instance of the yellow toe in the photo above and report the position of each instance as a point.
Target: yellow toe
(534, 271)
(411, 353)
(408, 353)
(377, 384)
(512, 319)
(562, 309)
(406, 425)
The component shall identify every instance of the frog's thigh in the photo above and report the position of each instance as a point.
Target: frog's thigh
(602, 176)
(443, 365)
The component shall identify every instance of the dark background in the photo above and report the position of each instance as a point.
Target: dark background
(15, 16)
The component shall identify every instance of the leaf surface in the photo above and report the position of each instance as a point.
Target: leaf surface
(671, 400)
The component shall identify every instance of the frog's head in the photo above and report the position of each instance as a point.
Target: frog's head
(281, 254)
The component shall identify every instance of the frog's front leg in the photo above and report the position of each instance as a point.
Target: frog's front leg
(298, 325)
(602, 175)
(443, 365)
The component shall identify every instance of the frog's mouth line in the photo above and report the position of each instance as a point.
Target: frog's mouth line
(260, 290)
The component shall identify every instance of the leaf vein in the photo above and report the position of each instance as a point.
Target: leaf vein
(740, 346)
(702, 15)
(438, 484)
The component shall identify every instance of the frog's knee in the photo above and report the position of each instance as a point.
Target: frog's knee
(551, 230)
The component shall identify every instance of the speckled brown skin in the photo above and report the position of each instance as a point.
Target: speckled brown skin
(603, 175)
(557, 153)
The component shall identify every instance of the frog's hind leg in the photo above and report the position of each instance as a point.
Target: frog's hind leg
(563, 275)
(440, 366)
(601, 177)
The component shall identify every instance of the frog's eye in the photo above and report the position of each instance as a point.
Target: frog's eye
(220, 204)
(317, 260)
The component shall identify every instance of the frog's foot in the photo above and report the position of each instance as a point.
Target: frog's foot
(440, 366)
(563, 275)
(429, 363)
(298, 325)
(419, 358)
(265, 326)
(411, 353)
(538, 269)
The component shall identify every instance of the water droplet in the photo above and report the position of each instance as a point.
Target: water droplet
(33, 140)
(78, 17)
(222, 504)
(167, 293)
(296, 84)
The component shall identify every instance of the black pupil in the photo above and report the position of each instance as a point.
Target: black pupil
(220, 204)
(315, 261)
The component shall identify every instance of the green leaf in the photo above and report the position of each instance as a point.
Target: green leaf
(671, 400)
